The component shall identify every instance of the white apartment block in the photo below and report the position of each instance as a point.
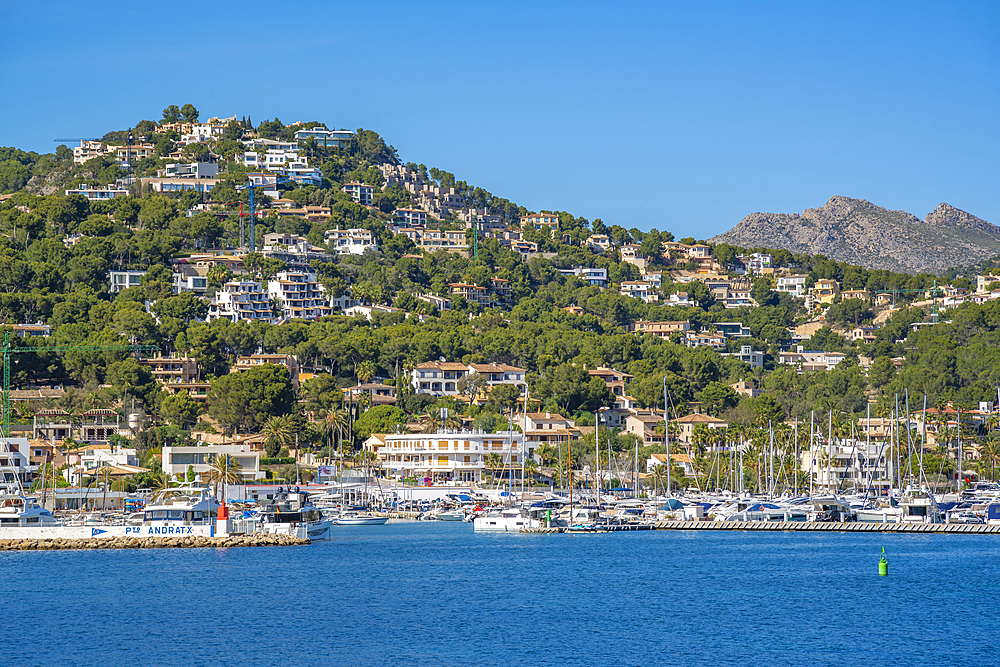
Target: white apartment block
(457, 456)
(440, 378)
(241, 300)
(88, 150)
(596, 277)
(360, 193)
(98, 194)
(639, 289)
(325, 137)
(121, 280)
(177, 460)
(847, 464)
(794, 285)
(350, 241)
(191, 170)
(299, 295)
(410, 217)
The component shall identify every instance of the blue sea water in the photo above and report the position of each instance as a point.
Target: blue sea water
(435, 593)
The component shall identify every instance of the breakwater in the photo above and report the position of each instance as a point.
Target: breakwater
(798, 526)
(190, 541)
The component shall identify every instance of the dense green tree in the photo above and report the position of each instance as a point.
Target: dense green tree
(244, 401)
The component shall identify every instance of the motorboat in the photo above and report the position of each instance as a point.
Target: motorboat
(765, 511)
(917, 505)
(830, 508)
(181, 506)
(291, 512)
(543, 514)
(361, 519)
(20, 510)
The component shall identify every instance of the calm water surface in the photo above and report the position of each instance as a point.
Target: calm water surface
(435, 593)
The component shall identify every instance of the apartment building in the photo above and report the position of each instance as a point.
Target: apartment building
(794, 285)
(616, 381)
(289, 361)
(453, 456)
(538, 221)
(596, 277)
(178, 460)
(661, 329)
(241, 300)
(360, 193)
(350, 241)
(191, 170)
(440, 378)
(639, 289)
(299, 295)
(122, 280)
(325, 137)
(98, 193)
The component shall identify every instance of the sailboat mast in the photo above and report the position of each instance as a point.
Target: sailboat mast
(597, 455)
(666, 430)
(812, 448)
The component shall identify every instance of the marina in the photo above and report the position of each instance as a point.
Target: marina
(667, 585)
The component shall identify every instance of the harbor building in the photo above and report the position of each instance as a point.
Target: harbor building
(453, 456)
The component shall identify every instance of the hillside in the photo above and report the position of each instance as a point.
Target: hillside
(859, 232)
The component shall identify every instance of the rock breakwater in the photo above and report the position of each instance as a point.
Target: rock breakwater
(193, 541)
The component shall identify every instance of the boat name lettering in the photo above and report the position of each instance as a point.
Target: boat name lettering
(161, 530)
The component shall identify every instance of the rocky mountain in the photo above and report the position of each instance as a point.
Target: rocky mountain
(859, 232)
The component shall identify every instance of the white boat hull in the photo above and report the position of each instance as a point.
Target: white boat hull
(102, 532)
(362, 520)
(503, 524)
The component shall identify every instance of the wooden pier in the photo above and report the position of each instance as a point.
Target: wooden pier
(852, 527)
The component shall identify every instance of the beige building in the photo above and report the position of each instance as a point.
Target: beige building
(661, 329)
(289, 361)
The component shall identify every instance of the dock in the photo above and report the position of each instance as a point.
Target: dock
(809, 526)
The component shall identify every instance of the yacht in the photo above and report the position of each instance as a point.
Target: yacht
(291, 512)
(181, 506)
(360, 519)
(17, 510)
(515, 519)
(917, 505)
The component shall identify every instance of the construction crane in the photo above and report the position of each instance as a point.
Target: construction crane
(77, 139)
(9, 350)
(251, 186)
(933, 290)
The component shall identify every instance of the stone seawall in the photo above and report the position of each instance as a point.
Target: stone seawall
(192, 541)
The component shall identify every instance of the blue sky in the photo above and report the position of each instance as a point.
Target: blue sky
(679, 116)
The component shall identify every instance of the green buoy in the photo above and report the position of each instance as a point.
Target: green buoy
(883, 565)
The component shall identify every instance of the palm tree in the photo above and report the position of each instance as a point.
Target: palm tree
(494, 461)
(335, 421)
(547, 453)
(365, 371)
(530, 469)
(223, 469)
(277, 435)
(430, 422)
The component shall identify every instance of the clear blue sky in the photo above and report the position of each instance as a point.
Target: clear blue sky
(679, 116)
